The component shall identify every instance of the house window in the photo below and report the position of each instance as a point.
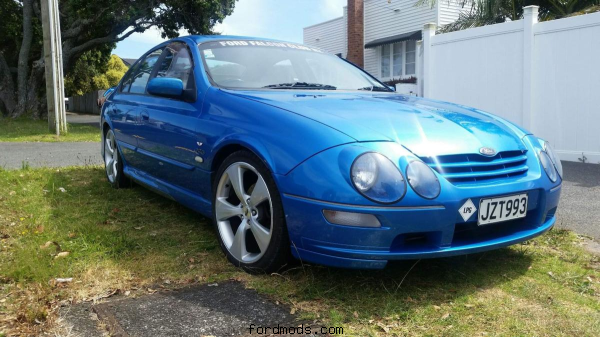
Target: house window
(385, 60)
(411, 57)
(398, 60)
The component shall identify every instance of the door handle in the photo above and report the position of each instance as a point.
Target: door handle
(145, 115)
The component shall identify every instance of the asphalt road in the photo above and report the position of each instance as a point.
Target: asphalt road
(218, 309)
(16, 155)
(579, 208)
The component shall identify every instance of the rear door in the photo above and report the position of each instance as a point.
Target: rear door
(168, 136)
(125, 112)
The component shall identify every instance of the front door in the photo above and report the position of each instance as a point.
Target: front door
(168, 136)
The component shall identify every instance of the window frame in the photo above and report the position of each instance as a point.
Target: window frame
(192, 97)
(134, 68)
(390, 57)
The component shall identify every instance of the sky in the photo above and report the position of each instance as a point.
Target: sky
(276, 19)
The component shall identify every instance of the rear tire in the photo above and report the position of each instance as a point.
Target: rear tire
(113, 163)
(248, 214)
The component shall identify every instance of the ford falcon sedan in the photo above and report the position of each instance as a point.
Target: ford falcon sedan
(294, 152)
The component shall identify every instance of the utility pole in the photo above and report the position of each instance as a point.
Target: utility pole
(55, 89)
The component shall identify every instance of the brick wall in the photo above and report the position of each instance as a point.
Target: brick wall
(356, 39)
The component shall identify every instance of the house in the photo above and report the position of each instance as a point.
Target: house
(381, 36)
(128, 62)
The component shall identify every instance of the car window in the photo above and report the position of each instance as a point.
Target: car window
(136, 84)
(127, 78)
(176, 63)
(247, 64)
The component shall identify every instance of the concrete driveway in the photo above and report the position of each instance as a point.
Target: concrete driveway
(75, 118)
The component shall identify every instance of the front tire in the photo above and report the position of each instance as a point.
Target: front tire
(113, 163)
(248, 214)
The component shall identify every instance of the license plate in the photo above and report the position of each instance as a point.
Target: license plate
(500, 209)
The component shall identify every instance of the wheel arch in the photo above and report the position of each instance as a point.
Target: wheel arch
(227, 148)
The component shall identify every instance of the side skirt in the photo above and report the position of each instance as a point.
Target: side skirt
(186, 198)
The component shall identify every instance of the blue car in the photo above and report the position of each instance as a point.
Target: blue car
(294, 152)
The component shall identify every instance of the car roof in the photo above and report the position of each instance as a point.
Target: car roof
(206, 38)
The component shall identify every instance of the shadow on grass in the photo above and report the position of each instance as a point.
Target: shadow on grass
(405, 286)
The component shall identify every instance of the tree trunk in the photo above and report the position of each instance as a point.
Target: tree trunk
(23, 63)
(7, 89)
(36, 103)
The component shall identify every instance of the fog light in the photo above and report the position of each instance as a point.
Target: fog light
(351, 219)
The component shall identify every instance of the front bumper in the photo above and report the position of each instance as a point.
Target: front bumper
(407, 232)
(412, 228)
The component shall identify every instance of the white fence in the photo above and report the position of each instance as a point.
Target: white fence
(544, 76)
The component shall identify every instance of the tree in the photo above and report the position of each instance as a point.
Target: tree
(86, 25)
(94, 71)
(90, 64)
(478, 13)
(116, 69)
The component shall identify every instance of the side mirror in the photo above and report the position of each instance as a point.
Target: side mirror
(392, 87)
(109, 91)
(166, 87)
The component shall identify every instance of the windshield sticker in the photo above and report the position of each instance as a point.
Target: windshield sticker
(208, 54)
(267, 44)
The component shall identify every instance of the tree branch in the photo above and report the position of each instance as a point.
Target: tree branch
(111, 38)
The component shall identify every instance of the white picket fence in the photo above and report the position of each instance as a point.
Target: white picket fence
(544, 76)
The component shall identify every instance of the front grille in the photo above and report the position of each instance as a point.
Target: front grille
(466, 168)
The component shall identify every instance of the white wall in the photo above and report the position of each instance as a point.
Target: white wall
(381, 20)
(480, 67)
(566, 85)
(487, 68)
(329, 36)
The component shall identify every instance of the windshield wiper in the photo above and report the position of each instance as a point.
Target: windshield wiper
(301, 85)
(374, 88)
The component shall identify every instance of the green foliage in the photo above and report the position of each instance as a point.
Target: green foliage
(25, 129)
(80, 79)
(115, 71)
(89, 31)
(478, 13)
(90, 74)
(10, 25)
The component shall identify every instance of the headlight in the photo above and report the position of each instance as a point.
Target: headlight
(422, 180)
(377, 178)
(548, 166)
(554, 158)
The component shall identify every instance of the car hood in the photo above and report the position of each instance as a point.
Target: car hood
(425, 127)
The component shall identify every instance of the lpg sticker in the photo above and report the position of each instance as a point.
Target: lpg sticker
(467, 210)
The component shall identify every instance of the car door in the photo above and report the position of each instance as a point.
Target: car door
(168, 136)
(125, 112)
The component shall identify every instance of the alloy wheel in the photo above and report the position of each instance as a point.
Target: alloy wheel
(111, 157)
(244, 212)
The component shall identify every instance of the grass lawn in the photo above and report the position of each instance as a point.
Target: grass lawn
(133, 240)
(28, 130)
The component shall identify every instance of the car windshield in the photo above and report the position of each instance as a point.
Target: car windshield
(244, 64)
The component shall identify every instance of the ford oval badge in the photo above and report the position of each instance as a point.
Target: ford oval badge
(487, 151)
